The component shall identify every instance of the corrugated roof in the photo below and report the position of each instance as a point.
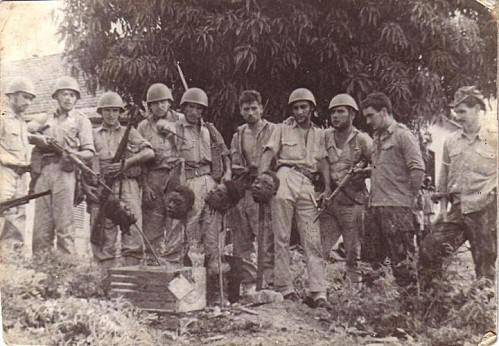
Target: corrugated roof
(44, 72)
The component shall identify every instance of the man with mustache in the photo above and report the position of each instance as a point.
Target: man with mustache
(396, 177)
(246, 151)
(159, 130)
(468, 181)
(72, 130)
(14, 156)
(346, 147)
(300, 153)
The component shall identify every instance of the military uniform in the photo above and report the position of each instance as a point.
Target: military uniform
(196, 148)
(469, 175)
(54, 213)
(166, 235)
(14, 154)
(244, 217)
(345, 212)
(389, 221)
(298, 153)
(106, 142)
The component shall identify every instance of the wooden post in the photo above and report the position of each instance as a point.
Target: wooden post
(261, 246)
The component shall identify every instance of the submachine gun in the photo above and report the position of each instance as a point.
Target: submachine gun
(15, 202)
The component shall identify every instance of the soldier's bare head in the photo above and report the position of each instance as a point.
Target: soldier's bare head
(377, 109)
(250, 106)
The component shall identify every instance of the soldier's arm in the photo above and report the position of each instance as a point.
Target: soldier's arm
(271, 148)
(145, 152)
(86, 150)
(413, 160)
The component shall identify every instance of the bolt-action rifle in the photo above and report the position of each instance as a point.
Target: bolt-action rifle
(15, 202)
(97, 232)
(353, 170)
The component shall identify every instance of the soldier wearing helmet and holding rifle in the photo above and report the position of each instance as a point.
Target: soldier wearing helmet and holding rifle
(14, 156)
(346, 148)
(468, 181)
(71, 130)
(300, 151)
(159, 130)
(124, 174)
(207, 161)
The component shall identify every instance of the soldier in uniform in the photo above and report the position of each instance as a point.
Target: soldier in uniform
(107, 138)
(396, 177)
(14, 159)
(72, 130)
(468, 180)
(246, 151)
(158, 129)
(300, 151)
(206, 161)
(346, 147)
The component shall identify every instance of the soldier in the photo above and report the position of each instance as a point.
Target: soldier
(468, 180)
(396, 177)
(206, 161)
(72, 130)
(158, 130)
(246, 152)
(14, 159)
(346, 147)
(300, 151)
(107, 138)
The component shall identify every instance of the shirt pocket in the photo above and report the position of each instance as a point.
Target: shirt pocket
(290, 150)
(386, 153)
(13, 141)
(485, 161)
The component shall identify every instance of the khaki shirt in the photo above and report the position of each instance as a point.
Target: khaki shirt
(396, 153)
(73, 131)
(469, 168)
(358, 147)
(165, 150)
(195, 147)
(14, 145)
(293, 149)
(236, 147)
(108, 139)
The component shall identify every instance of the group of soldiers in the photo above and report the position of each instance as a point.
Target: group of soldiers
(173, 160)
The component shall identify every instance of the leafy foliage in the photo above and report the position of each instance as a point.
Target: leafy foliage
(417, 51)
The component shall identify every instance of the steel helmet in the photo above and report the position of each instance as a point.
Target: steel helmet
(110, 100)
(21, 84)
(301, 94)
(195, 95)
(465, 92)
(66, 83)
(158, 92)
(343, 100)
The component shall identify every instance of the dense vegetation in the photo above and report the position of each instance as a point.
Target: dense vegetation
(417, 51)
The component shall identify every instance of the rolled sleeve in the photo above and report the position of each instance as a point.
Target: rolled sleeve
(85, 136)
(274, 142)
(137, 140)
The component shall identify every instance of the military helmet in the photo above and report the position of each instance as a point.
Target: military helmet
(301, 94)
(465, 92)
(195, 95)
(158, 92)
(21, 84)
(66, 83)
(110, 99)
(343, 100)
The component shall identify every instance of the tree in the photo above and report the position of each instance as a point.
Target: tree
(417, 51)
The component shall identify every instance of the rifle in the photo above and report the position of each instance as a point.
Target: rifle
(97, 234)
(341, 185)
(15, 202)
(78, 162)
(182, 77)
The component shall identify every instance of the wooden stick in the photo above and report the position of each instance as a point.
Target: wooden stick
(261, 246)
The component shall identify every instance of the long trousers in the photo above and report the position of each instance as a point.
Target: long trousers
(13, 221)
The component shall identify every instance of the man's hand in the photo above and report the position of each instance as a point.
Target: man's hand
(362, 172)
(39, 140)
(148, 194)
(322, 200)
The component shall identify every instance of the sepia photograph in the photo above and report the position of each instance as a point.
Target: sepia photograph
(248, 172)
